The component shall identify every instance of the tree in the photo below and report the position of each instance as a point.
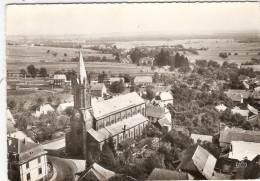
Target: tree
(32, 70)
(54, 54)
(107, 158)
(184, 69)
(70, 74)
(156, 77)
(201, 63)
(223, 55)
(43, 72)
(150, 94)
(136, 54)
(11, 104)
(89, 160)
(163, 58)
(102, 77)
(23, 120)
(127, 78)
(153, 161)
(117, 87)
(23, 72)
(111, 145)
(58, 72)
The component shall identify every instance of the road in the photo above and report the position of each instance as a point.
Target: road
(65, 168)
(55, 145)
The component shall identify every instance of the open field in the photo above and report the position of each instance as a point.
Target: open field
(245, 51)
(26, 53)
(98, 67)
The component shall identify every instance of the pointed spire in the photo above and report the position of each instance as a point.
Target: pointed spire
(81, 69)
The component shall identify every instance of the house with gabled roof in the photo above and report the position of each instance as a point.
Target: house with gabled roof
(221, 107)
(202, 138)
(162, 99)
(165, 174)
(62, 107)
(198, 162)
(237, 95)
(237, 134)
(97, 173)
(143, 80)
(43, 109)
(154, 113)
(240, 150)
(237, 110)
(98, 90)
(26, 160)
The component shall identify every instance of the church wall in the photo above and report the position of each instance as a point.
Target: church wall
(118, 117)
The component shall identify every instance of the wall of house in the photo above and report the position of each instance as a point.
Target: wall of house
(165, 103)
(33, 169)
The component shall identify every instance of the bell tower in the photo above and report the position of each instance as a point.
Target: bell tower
(81, 119)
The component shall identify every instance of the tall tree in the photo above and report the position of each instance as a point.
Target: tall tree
(32, 70)
(43, 72)
(102, 77)
(117, 87)
(23, 72)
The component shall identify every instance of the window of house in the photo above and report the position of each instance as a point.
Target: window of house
(27, 165)
(39, 171)
(28, 176)
(125, 135)
(39, 160)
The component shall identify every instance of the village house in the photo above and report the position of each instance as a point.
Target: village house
(221, 107)
(164, 125)
(43, 109)
(154, 113)
(240, 150)
(62, 107)
(60, 80)
(143, 80)
(21, 136)
(98, 90)
(237, 110)
(27, 161)
(237, 95)
(198, 162)
(202, 138)
(95, 173)
(237, 134)
(256, 80)
(116, 79)
(165, 174)
(162, 99)
(92, 123)
(232, 171)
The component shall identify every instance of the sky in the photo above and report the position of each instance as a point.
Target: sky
(174, 18)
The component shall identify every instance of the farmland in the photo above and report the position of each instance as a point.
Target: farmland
(20, 55)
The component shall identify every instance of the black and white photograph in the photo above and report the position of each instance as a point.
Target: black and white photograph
(130, 91)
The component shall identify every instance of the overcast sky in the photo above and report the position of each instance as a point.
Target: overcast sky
(186, 18)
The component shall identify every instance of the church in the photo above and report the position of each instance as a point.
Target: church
(120, 117)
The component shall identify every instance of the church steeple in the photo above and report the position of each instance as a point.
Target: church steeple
(82, 95)
(82, 76)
